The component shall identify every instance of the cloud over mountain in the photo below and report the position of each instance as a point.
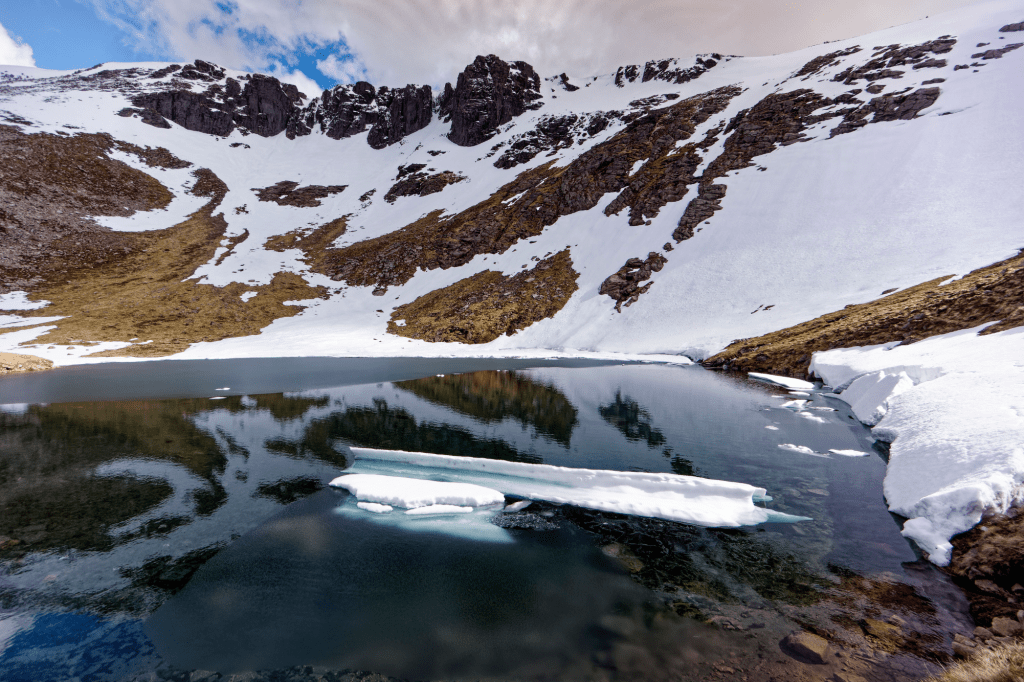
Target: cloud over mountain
(13, 51)
(428, 41)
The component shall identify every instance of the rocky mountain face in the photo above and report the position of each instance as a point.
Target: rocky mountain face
(488, 94)
(263, 105)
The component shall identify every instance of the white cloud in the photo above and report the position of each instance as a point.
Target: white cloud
(14, 52)
(344, 69)
(306, 85)
(430, 41)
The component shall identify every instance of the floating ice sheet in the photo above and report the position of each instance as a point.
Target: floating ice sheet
(687, 499)
(411, 493)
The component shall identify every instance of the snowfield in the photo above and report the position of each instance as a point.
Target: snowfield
(808, 229)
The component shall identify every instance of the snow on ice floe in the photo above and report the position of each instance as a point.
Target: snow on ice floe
(786, 382)
(411, 493)
(374, 507)
(849, 453)
(439, 509)
(954, 416)
(687, 499)
(802, 449)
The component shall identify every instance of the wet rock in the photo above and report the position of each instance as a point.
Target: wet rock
(982, 633)
(624, 286)
(963, 647)
(488, 93)
(630, 561)
(1005, 627)
(806, 646)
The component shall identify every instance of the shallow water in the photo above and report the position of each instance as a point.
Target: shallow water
(197, 533)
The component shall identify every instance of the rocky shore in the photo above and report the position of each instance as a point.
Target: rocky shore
(12, 363)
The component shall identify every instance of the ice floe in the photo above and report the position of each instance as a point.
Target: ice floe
(401, 478)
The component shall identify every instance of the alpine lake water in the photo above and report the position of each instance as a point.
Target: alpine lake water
(172, 520)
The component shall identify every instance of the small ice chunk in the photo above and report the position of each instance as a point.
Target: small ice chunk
(374, 507)
(518, 506)
(440, 509)
(812, 417)
(794, 404)
(772, 428)
(226, 388)
(800, 394)
(410, 493)
(802, 449)
(822, 409)
(788, 382)
(217, 397)
(868, 395)
(850, 453)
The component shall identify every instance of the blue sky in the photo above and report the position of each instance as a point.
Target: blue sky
(70, 34)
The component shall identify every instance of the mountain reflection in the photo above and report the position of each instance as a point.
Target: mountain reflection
(495, 396)
(394, 428)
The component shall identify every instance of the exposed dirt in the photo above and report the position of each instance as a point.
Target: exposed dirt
(11, 363)
(288, 193)
(993, 293)
(481, 308)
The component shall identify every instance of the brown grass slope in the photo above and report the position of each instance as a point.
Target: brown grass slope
(122, 286)
(1002, 664)
(481, 308)
(991, 294)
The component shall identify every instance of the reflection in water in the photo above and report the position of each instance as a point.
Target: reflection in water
(394, 428)
(495, 396)
(112, 508)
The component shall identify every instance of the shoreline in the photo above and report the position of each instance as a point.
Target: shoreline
(15, 363)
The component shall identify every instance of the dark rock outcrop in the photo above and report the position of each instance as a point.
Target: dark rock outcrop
(400, 113)
(263, 105)
(489, 93)
(1011, 28)
(667, 70)
(887, 108)
(420, 184)
(822, 62)
(288, 193)
(347, 110)
(624, 286)
(885, 59)
(997, 54)
(700, 208)
(551, 134)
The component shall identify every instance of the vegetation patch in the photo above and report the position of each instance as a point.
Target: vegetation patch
(1004, 663)
(313, 243)
(991, 294)
(481, 308)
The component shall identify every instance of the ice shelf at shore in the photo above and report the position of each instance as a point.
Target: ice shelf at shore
(686, 499)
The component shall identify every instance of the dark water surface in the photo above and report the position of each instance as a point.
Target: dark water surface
(144, 538)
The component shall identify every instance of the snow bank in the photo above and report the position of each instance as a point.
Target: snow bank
(667, 496)
(413, 493)
(953, 408)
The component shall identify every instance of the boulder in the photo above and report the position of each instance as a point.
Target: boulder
(1005, 627)
(806, 646)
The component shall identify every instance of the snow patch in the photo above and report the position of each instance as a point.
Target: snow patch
(787, 382)
(411, 493)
